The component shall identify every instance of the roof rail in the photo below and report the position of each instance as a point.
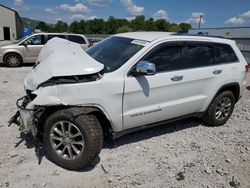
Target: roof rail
(197, 35)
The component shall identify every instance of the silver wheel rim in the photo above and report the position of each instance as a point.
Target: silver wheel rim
(223, 108)
(13, 60)
(67, 140)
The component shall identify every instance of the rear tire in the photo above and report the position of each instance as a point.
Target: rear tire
(220, 109)
(13, 60)
(62, 144)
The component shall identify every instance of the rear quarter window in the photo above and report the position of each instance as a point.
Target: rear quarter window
(224, 53)
(77, 39)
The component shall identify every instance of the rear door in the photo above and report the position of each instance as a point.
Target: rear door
(185, 74)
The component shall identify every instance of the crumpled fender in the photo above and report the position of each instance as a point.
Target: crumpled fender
(45, 96)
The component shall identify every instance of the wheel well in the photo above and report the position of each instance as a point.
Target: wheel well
(234, 87)
(104, 121)
(12, 53)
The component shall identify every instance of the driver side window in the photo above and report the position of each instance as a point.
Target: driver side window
(36, 40)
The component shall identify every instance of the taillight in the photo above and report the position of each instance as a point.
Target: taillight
(247, 67)
(90, 43)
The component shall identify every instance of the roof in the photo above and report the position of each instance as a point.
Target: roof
(12, 10)
(216, 28)
(47, 33)
(151, 36)
(147, 36)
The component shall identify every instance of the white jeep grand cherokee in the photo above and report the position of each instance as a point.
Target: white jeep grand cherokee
(125, 83)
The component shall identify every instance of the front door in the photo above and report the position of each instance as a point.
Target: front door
(33, 47)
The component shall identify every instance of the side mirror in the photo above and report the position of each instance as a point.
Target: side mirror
(144, 68)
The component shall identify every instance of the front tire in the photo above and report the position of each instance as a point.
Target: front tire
(13, 60)
(220, 109)
(72, 141)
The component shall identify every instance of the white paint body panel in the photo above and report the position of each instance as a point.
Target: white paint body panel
(120, 96)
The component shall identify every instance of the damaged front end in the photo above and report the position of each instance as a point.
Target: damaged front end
(25, 117)
(61, 63)
(32, 106)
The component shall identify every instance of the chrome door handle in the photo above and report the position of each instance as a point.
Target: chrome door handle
(217, 71)
(177, 78)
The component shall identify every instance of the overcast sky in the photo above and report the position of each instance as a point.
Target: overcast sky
(216, 13)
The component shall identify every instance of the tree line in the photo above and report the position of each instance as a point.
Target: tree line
(114, 25)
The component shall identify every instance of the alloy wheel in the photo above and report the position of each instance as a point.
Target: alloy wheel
(67, 140)
(223, 108)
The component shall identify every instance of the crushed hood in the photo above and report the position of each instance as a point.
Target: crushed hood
(61, 57)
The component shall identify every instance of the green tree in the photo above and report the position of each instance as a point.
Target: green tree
(75, 27)
(124, 29)
(173, 27)
(149, 25)
(83, 27)
(61, 27)
(112, 24)
(184, 27)
(43, 27)
(138, 24)
(162, 25)
(97, 26)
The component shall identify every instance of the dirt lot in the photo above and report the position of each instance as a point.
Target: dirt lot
(181, 154)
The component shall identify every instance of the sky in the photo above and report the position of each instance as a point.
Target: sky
(215, 13)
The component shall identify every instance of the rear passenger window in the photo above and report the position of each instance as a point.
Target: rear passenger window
(167, 58)
(200, 55)
(77, 39)
(59, 36)
(224, 54)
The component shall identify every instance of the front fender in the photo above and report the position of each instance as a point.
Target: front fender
(7, 51)
(49, 96)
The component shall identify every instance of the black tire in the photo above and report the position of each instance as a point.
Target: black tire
(91, 131)
(212, 115)
(13, 60)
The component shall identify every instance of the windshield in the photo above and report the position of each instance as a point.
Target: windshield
(114, 52)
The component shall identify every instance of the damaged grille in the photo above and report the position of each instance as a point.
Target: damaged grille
(71, 79)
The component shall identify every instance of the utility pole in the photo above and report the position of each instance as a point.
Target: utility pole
(200, 21)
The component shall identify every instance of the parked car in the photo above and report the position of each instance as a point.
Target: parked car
(125, 83)
(27, 49)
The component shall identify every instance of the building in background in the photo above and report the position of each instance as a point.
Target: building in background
(240, 34)
(11, 25)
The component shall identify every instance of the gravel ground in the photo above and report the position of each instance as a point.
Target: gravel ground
(181, 154)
